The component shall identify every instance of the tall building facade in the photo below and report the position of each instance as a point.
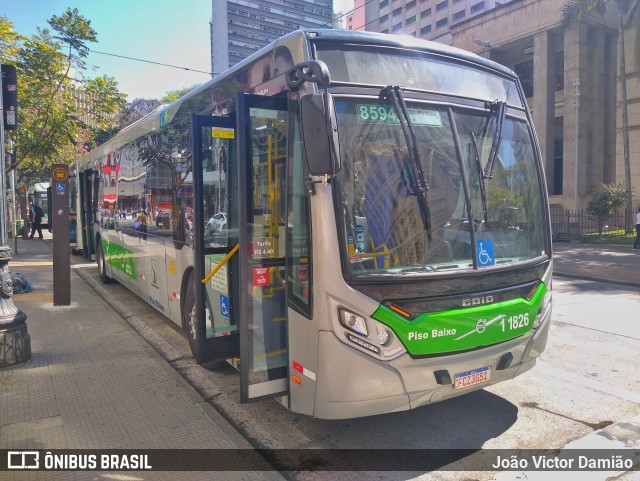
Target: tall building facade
(570, 77)
(355, 18)
(428, 19)
(240, 27)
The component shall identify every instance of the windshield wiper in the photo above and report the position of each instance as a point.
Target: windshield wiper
(394, 94)
(498, 108)
(481, 186)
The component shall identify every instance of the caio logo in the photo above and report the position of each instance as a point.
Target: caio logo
(23, 460)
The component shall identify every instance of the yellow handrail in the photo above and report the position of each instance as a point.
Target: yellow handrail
(220, 264)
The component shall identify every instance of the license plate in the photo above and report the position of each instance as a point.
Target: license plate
(472, 378)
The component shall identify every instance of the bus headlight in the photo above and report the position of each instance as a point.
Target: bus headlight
(353, 322)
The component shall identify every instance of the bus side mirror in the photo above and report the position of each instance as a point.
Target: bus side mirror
(320, 134)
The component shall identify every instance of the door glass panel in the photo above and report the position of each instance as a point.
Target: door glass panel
(215, 191)
(265, 234)
(217, 145)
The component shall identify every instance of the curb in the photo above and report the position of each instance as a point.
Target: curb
(584, 277)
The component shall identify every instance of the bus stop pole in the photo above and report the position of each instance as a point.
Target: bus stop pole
(59, 221)
(15, 343)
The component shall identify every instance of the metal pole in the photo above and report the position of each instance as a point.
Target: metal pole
(3, 179)
(15, 342)
(576, 104)
(15, 200)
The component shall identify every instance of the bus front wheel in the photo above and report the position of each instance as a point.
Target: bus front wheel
(102, 267)
(189, 316)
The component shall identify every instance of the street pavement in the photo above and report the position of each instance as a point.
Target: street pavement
(617, 264)
(94, 383)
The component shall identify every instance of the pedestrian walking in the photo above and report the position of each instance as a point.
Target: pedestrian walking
(35, 217)
(636, 243)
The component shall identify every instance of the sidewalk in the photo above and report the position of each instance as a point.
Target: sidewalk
(95, 383)
(617, 264)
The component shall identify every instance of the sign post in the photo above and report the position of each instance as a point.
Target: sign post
(15, 342)
(59, 221)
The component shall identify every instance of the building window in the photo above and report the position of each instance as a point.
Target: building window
(384, 18)
(411, 20)
(441, 6)
(410, 4)
(425, 13)
(396, 27)
(442, 23)
(384, 3)
(458, 15)
(559, 71)
(425, 30)
(558, 160)
(397, 11)
(524, 71)
(478, 7)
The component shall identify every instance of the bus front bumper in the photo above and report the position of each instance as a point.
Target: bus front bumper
(356, 385)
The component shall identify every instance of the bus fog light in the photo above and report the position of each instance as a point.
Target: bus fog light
(354, 322)
(383, 336)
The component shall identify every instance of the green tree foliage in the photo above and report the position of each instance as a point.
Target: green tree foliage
(60, 117)
(8, 39)
(135, 110)
(173, 95)
(604, 203)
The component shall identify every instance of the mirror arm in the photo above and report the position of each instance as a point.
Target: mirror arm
(315, 71)
(309, 184)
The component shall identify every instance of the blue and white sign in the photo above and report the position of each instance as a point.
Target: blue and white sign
(60, 188)
(224, 305)
(484, 253)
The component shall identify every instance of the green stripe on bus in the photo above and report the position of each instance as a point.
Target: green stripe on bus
(463, 329)
(119, 257)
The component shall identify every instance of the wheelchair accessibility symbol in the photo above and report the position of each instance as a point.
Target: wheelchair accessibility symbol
(224, 306)
(484, 253)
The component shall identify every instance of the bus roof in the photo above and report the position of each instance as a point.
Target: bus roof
(402, 41)
(39, 187)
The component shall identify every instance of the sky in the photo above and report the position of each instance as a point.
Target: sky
(174, 32)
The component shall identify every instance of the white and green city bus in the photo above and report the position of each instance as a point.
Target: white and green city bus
(358, 221)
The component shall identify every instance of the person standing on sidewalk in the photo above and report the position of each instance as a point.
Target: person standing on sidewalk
(636, 243)
(35, 217)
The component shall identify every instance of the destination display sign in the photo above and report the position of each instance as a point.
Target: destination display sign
(378, 113)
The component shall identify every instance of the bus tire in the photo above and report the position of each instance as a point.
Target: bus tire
(102, 266)
(189, 315)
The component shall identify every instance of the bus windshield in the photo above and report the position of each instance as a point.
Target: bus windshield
(484, 198)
